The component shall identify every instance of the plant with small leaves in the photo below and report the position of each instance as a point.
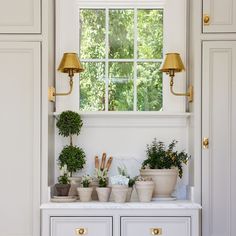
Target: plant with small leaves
(86, 181)
(101, 175)
(122, 170)
(63, 178)
(73, 157)
(161, 157)
(69, 123)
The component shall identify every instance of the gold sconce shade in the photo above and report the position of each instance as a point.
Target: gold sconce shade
(70, 62)
(173, 63)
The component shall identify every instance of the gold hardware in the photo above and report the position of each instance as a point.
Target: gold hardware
(206, 19)
(156, 231)
(205, 143)
(81, 231)
(171, 65)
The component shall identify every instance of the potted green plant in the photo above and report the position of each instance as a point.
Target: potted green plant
(85, 191)
(63, 186)
(163, 165)
(69, 124)
(144, 187)
(103, 190)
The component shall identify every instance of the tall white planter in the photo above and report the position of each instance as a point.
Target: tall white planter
(164, 180)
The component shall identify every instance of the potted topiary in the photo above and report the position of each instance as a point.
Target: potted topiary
(69, 124)
(144, 187)
(103, 190)
(63, 186)
(85, 191)
(163, 165)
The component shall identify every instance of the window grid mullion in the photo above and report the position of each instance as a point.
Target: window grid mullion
(106, 62)
(135, 57)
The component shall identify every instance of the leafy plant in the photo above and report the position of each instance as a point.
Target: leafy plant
(160, 157)
(86, 181)
(73, 157)
(124, 172)
(63, 178)
(69, 124)
(101, 175)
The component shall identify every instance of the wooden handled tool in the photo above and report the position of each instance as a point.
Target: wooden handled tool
(104, 156)
(108, 165)
(96, 162)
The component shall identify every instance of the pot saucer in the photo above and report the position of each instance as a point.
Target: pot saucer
(164, 199)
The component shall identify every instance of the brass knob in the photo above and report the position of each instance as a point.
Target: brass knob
(205, 143)
(206, 19)
(81, 231)
(156, 231)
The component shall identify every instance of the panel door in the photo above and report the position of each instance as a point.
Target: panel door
(20, 16)
(20, 138)
(222, 16)
(219, 125)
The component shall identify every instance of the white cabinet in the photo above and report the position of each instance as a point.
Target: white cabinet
(169, 226)
(20, 85)
(222, 16)
(22, 16)
(218, 124)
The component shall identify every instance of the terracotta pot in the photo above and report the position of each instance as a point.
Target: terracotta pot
(129, 193)
(75, 183)
(119, 193)
(85, 194)
(62, 189)
(103, 194)
(164, 180)
(144, 190)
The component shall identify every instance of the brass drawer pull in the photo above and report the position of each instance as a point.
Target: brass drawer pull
(205, 143)
(81, 231)
(156, 231)
(206, 19)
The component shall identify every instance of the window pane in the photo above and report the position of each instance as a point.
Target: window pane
(121, 34)
(92, 87)
(149, 87)
(121, 86)
(92, 33)
(150, 33)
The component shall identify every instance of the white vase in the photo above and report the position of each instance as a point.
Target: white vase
(144, 190)
(85, 194)
(103, 194)
(119, 193)
(164, 180)
(75, 183)
(129, 193)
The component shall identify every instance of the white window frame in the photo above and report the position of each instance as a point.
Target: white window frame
(175, 40)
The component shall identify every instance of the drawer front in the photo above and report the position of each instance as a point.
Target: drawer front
(74, 226)
(165, 226)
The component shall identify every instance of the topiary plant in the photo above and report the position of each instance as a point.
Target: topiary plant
(69, 124)
(73, 157)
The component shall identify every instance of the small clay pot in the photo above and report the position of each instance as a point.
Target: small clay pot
(144, 190)
(103, 194)
(62, 189)
(119, 193)
(85, 194)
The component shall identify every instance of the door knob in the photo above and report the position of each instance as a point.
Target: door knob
(205, 143)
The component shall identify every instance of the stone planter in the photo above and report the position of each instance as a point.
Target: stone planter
(62, 189)
(164, 180)
(129, 193)
(75, 183)
(103, 194)
(85, 194)
(144, 190)
(119, 193)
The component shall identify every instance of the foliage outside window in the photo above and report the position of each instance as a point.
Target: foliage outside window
(121, 50)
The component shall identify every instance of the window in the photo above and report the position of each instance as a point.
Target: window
(121, 50)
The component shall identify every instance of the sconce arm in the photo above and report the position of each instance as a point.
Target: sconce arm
(68, 93)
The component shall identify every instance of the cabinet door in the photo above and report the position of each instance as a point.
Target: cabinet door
(222, 16)
(20, 138)
(20, 16)
(218, 124)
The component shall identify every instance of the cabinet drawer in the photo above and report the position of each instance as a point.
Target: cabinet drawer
(165, 226)
(73, 226)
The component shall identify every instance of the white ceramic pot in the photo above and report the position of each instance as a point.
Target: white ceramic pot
(129, 193)
(119, 193)
(85, 194)
(144, 190)
(75, 183)
(103, 194)
(164, 180)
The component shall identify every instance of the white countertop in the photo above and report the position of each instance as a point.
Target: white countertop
(129, 205)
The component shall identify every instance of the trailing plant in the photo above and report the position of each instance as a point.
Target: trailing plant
(161, 157)
(101, 175)
(86, 181)
(63, 178)
(73, 157)
(69, 124)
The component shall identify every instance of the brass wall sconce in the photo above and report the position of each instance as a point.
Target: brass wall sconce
(171, 65)
(70, 64)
